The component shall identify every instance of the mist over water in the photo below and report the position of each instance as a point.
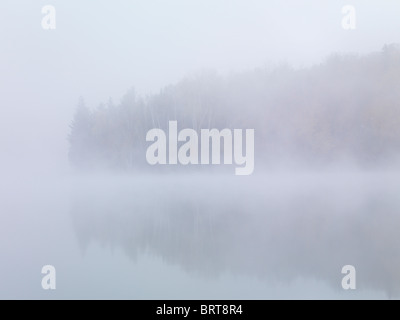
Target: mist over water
(204, 236)
(76, 191)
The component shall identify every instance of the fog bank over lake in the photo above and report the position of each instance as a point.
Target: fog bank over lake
(204, 236)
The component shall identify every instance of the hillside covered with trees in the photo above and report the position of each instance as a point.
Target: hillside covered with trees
(344, 109)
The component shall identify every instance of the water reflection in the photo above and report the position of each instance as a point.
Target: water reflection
(276, 227)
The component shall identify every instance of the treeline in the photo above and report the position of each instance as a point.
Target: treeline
(344, 109)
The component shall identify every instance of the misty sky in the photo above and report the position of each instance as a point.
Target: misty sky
(100, 49)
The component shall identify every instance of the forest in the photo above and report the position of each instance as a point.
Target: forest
(343, 110)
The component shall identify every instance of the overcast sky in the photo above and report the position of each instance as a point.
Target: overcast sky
(101, 48)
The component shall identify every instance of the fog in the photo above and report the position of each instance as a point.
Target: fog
(77, 192)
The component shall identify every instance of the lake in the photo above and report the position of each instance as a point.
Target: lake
(201, 236)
